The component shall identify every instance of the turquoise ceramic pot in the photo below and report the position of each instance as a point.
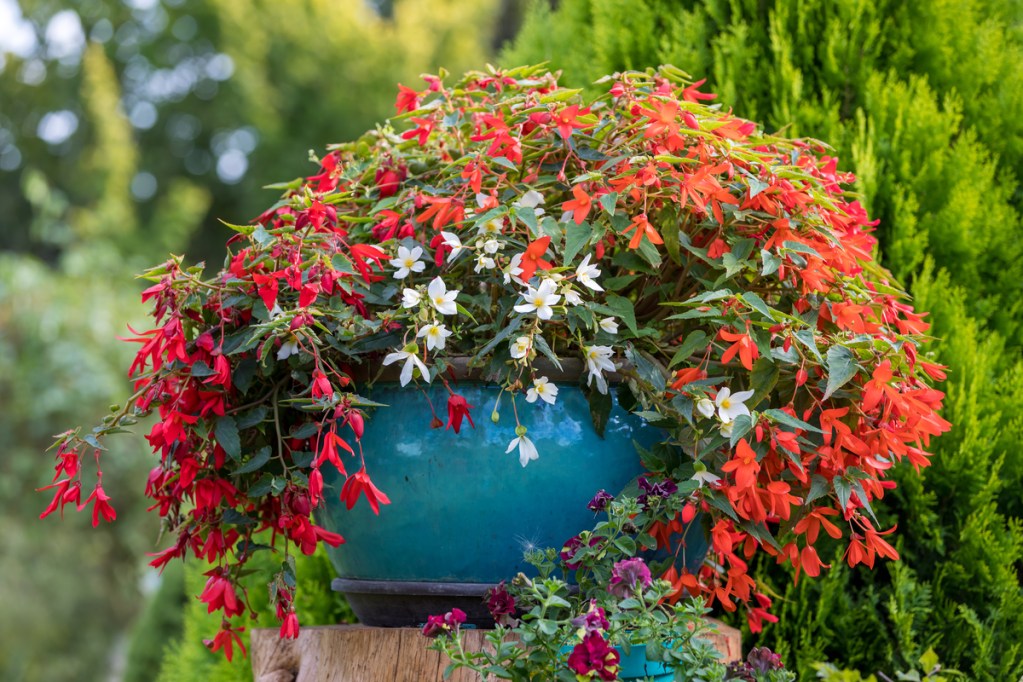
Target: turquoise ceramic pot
(634, 666)
(464, 510)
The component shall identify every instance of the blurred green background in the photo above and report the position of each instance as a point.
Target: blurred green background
(127, 128)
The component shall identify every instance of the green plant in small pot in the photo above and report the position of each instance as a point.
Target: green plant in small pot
(643, 261)
(616, 622)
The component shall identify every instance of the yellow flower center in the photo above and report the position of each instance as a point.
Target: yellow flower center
(726, 403)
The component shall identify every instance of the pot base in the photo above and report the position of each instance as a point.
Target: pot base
(399, 603)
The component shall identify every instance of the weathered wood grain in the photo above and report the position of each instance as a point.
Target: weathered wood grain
(353, 653)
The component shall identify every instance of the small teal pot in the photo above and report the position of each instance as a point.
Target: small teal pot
(634, 666)
(463, 511)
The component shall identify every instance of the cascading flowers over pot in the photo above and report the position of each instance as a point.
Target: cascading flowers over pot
(724, 274)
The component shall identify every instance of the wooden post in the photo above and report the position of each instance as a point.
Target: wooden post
(353, 653)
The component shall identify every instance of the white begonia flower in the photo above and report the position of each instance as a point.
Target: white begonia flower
(540, 299)
(411, 361)
(726, 429)
(441, 299)
(543, 389)
(514, 269)
(572, 296)
(520, 347)
(288, 348)
(484, 262)
(491, 246)
(451, 239)
(706, 407)
(491, 228)
(531, 199)
(610, 325)
(705, 477)
(436, 336)
(410, 298)
(527, 451)
(598, 360)
(731, 406)
(586, 272)
(408, 261)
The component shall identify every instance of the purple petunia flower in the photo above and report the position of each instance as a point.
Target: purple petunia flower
(629, 577)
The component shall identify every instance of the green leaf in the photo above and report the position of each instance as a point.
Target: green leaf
(512, 327)
(789, 420)
(624, 309)
(226, 432)
(626, 544)
(765, 376)
(528, 216)
(771, 262)
(262, 237)
(719, 501)
(608, 201)
(541, 345)
(258, 459)
(252, 417)
(576, 238)
(244, 373)
(262, 487)
(818, 488)
(757, 303)
(841, 368)
(740, 427)
(646, 369)
(305, 431)
(800, 248)
(201, 369)
(843, 490)
(695, 340)
(502, 161)
(805, 337)
(684, 405)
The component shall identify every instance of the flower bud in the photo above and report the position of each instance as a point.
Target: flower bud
(495, 417)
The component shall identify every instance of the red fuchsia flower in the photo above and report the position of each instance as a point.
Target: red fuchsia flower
(446, 624)
(629, 577)
(458, 408)
(359, 483)
(219, 595)
(321, 385)
(594, 657)
(225, 639)
(501, 605)
(289, 626)
(101, 506)
(389, 180)
(600, 501)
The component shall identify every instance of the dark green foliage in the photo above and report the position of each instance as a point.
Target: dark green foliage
(922, 101)
(160, 623)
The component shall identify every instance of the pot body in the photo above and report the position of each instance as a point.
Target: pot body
(634, 666)
(463, 510)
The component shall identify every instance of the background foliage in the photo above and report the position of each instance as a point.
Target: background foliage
(124, 127)
(920, 99)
